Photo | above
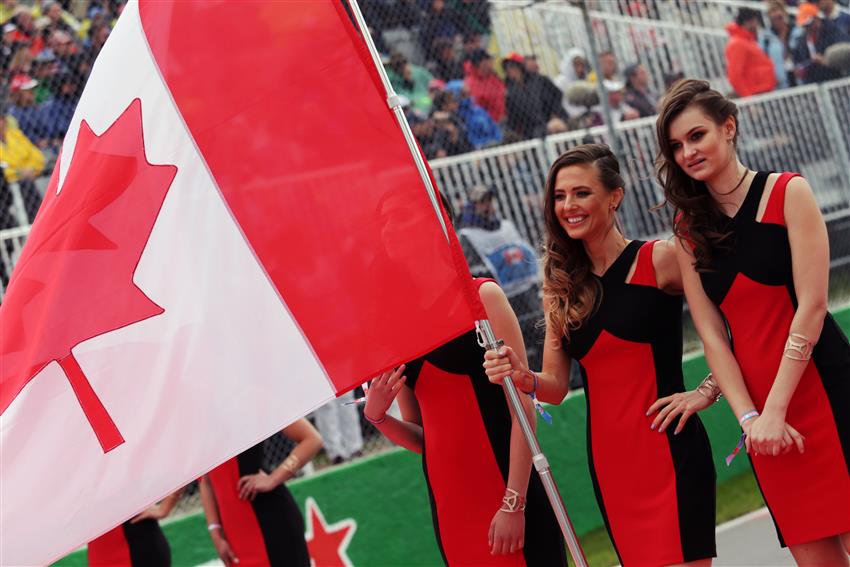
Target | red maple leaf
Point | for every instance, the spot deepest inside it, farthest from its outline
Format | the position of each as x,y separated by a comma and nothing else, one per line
74,279
327,544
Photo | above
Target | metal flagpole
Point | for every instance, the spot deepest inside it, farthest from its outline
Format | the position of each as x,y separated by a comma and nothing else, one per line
485,332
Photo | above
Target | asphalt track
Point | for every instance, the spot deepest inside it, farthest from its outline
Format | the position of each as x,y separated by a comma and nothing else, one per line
750,541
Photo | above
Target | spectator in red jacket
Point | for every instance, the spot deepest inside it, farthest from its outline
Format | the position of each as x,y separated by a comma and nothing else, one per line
749,69
484,85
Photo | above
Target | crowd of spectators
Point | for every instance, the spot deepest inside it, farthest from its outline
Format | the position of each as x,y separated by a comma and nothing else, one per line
459,97
46,55
438,55
785,51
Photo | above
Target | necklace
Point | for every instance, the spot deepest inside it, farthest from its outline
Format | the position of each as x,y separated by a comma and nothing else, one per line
735,188
618,250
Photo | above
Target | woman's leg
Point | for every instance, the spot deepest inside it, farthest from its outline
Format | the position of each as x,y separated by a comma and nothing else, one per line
827,552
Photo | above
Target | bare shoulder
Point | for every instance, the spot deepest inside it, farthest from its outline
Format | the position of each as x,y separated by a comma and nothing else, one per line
663,254
666,264
800,204
798,188
491,294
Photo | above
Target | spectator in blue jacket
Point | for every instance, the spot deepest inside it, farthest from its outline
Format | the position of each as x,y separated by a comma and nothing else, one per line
58,111
808,50
481,129
831,13
25,110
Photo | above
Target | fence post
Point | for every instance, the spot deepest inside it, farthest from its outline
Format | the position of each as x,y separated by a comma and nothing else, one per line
18,202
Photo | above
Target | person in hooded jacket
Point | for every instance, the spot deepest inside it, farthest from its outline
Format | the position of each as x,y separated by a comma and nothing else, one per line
749,69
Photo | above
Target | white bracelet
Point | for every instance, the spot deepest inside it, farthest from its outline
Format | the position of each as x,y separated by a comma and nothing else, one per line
748,416
213,527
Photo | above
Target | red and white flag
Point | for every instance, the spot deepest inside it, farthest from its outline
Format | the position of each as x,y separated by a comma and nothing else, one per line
235,233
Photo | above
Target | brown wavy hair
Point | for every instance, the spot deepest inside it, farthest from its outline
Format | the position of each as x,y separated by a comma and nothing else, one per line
570,292
698,218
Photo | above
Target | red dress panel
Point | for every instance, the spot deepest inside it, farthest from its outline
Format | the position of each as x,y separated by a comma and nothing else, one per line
265,532
752,283
655,491
466,457
142,544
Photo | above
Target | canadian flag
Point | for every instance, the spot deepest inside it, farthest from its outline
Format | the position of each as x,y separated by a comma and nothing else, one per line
234,234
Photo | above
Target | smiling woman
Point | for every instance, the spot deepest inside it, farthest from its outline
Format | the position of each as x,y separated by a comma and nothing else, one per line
615,306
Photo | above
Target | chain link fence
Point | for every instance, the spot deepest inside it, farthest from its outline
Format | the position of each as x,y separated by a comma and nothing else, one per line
492,99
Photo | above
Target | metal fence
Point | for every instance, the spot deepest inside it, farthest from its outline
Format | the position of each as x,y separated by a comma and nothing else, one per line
666,47
804,129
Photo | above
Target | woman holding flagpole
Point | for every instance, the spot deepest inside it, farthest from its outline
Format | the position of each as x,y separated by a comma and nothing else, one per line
615,305
252,517
754,253
488,505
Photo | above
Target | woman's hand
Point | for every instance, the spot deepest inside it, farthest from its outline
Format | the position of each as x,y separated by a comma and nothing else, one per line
685,404
249,485
769,434
382,391
225,552
507,532
498,364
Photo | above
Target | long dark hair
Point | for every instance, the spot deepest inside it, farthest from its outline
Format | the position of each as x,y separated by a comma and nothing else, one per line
570,292
698,218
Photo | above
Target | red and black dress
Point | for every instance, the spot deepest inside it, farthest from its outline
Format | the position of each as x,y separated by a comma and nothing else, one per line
752,284
268,531
656,491
466,459
131,545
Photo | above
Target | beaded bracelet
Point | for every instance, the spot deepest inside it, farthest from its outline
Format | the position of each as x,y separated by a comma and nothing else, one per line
375,421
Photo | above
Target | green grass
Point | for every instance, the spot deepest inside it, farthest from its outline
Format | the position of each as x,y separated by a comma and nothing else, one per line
735,497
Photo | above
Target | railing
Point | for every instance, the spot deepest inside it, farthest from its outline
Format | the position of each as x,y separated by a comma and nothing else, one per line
806,129
550,30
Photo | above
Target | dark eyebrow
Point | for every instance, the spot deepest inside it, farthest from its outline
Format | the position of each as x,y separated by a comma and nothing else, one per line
671,140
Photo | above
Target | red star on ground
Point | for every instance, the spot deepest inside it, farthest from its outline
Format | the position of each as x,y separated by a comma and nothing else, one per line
74,279
328,544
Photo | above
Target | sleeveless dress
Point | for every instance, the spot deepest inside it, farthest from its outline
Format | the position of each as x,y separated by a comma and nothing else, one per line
752,284
656,491
466,458
142,544
268,531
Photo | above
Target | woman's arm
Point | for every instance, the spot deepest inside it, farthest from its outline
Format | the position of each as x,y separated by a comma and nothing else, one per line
810,264
405,432
222,546
308,443
507,529
684,404
712,332
553,382
161,510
